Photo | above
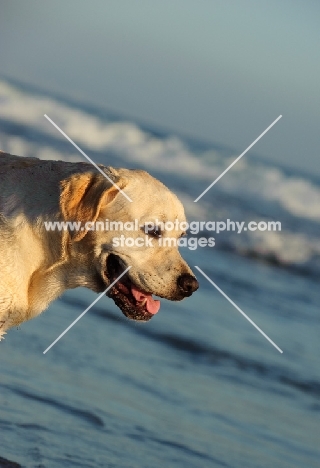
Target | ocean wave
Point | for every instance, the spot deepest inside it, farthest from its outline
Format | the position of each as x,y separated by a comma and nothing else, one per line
285,247
250,190
85,415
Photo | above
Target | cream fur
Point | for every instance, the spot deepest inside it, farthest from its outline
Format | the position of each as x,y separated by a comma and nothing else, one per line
36,266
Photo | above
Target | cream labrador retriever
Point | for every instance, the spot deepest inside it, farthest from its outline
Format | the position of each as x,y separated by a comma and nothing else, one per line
37,264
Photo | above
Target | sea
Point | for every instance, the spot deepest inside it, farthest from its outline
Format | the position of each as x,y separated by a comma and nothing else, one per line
198,385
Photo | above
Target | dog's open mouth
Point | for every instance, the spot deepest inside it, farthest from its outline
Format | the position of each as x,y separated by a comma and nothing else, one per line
133,302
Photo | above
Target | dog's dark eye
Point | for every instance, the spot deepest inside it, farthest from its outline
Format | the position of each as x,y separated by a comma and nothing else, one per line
154,231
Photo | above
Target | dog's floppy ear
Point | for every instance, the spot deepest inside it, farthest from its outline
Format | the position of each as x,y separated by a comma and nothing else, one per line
82,196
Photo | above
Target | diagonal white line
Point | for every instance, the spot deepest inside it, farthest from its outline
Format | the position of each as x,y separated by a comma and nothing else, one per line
236,160
238,308
86,156
81,315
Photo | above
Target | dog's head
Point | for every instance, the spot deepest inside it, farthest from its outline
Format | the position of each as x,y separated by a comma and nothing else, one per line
116,235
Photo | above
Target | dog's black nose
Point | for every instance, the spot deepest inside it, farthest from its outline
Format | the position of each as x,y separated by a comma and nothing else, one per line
188,284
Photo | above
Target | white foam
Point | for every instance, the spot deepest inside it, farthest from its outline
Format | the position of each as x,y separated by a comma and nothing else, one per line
123,138
287,247
298,196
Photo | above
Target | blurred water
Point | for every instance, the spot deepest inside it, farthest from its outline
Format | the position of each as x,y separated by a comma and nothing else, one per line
197,386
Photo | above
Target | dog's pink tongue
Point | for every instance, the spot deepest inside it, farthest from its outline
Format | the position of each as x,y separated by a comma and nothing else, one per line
152,305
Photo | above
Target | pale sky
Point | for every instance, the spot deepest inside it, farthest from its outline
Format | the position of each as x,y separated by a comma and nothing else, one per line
219,70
